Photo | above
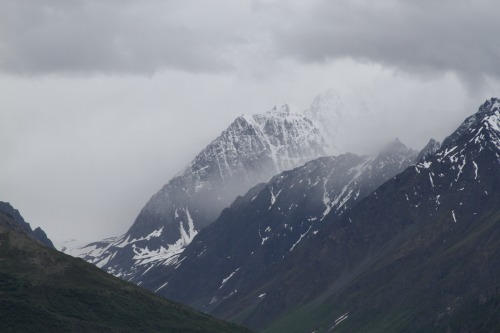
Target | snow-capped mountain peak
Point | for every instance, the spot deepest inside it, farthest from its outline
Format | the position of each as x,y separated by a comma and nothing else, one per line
251,150
491,105
487,117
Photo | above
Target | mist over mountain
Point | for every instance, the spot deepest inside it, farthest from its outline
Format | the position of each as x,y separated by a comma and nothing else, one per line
251,150
346,121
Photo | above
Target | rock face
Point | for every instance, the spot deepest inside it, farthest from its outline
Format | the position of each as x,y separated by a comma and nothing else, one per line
37,234
251,150
430,149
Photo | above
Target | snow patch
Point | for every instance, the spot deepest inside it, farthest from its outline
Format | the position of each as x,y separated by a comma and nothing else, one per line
227,278
300,238
161,287
339,320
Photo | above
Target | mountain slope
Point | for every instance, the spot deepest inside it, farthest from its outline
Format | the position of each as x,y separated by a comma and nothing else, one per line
44,290
220,271
420,254
249,151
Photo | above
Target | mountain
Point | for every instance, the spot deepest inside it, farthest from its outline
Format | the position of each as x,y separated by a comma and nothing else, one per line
249,151
430,149
37,234
43,290
237,254
421,253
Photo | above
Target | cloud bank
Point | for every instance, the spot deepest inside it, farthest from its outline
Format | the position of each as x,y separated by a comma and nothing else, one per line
149,36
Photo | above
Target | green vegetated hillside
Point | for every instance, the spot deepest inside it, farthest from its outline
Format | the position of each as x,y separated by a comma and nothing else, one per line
43,290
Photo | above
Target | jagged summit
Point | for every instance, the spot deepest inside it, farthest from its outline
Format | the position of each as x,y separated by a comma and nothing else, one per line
430,149
487,117
38,233
251,150
284,109
491,105
394,146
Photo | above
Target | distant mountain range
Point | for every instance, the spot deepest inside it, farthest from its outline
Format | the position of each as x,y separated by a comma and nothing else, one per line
403,241
43,290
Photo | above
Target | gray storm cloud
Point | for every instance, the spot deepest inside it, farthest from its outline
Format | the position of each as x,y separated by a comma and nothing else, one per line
415,36
86,36
144,37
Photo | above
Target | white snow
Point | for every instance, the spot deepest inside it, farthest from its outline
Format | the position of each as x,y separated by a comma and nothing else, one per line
187,237
460,169
300,238
227,278
426,165
339,320
274,197
161,287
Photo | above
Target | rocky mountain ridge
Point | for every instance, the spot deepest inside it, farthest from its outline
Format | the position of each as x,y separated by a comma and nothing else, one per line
37,234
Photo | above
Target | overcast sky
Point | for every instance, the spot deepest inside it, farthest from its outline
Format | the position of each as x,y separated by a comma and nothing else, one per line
103,101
